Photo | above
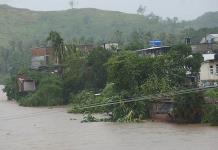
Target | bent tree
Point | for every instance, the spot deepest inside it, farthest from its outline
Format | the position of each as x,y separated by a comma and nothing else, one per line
58,45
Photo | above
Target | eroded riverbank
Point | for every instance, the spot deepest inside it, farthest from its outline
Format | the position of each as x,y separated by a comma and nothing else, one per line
24,128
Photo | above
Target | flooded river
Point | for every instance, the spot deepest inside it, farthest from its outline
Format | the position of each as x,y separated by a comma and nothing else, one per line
53,129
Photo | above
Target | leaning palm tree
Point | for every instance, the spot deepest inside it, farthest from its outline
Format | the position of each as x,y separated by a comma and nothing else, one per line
58,46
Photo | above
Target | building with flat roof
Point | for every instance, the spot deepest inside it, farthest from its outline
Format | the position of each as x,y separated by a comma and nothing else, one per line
86,48
41,56
209,70
111,46
153,51
208,44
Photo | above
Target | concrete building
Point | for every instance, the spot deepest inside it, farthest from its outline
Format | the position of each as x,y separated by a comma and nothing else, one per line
209,70
156,48
41,56
210,39
153,51
111,46
86,48
208,44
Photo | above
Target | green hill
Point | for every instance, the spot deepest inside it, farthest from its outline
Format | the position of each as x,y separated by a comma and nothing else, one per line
26,25
209,20
21,29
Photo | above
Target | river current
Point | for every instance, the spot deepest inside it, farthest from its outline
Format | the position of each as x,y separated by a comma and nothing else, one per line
23,128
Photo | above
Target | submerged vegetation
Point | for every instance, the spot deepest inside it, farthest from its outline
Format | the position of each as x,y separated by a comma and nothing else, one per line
49,93
211,115
189,108
103,81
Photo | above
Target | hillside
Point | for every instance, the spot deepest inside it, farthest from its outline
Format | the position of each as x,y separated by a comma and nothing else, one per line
29,26
26,24
209,20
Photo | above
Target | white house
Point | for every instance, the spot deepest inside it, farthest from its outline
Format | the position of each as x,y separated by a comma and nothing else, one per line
111,46
209,70
208,44
210,39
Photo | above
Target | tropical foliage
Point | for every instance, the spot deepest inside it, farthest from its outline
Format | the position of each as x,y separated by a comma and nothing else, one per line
189,108
57,45
102,77
211,115
49,93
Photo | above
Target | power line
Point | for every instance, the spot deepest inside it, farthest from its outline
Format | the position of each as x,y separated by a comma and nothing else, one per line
152,98
156,98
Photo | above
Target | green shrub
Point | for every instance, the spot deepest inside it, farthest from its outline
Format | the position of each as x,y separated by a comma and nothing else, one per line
86,98
131,112
89,118
109,90
213,93
11,86
211,115
121,112
155,84
188,108
11,89
49,93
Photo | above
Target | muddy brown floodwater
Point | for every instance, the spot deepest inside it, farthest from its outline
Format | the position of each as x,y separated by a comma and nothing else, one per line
24,128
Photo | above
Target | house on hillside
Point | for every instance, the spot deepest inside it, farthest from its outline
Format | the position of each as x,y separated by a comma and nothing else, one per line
156,48
86,48
111,46
42,56
153,51
209,70
208,44
210,39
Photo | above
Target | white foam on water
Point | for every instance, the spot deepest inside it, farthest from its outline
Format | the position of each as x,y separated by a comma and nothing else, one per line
3,96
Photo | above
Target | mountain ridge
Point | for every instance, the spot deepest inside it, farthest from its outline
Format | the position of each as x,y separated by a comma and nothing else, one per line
98,25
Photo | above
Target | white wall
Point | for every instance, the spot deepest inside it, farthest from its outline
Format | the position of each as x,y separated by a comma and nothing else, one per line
205,73
112,46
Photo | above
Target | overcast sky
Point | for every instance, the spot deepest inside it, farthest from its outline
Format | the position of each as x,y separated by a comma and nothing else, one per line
183,9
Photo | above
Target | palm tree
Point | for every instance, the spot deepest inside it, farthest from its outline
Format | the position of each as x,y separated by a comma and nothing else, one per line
58,46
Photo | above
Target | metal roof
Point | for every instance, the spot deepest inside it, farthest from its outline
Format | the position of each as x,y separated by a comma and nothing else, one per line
208,57
208,38
214,35
152,48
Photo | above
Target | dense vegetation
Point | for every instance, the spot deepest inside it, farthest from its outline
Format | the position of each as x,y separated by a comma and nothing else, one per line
103,76
49,89
128,75
49,93
22,29
116,78
189,108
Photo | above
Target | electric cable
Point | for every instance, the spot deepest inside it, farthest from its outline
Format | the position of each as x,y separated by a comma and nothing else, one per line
152,98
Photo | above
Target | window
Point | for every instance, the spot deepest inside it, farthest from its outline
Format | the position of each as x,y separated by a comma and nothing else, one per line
216,68
211,69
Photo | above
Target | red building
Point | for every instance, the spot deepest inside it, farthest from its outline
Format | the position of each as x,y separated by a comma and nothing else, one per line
42,56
